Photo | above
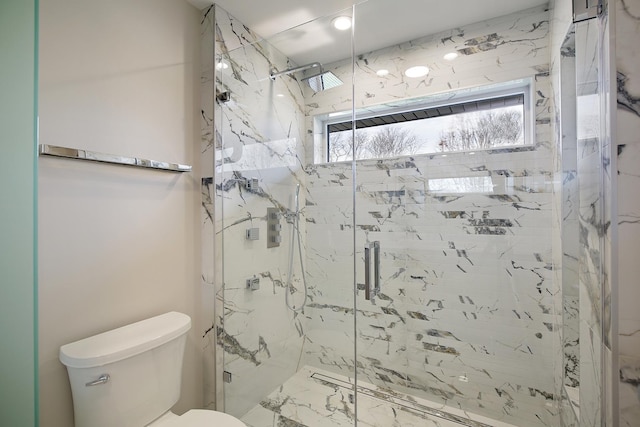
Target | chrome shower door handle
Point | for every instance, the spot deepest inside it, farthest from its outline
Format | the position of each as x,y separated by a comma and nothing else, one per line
102,379
376,268
367,272
368,294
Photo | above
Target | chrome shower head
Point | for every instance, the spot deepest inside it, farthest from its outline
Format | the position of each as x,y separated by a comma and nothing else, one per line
323,81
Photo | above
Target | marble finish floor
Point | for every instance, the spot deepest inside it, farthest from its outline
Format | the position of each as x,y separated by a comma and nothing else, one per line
317,398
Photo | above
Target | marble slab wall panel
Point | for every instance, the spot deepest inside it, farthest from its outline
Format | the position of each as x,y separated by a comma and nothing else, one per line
627,128
591,218
467,304
255,133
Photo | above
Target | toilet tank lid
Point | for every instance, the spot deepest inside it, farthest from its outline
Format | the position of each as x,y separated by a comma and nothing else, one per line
124,342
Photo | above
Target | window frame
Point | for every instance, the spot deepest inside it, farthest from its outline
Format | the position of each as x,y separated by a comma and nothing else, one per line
445,99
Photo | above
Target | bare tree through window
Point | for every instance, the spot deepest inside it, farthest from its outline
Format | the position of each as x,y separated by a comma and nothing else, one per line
341,146
372,143
482,131
391,141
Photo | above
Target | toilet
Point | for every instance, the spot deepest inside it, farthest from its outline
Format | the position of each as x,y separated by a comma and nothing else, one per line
130,377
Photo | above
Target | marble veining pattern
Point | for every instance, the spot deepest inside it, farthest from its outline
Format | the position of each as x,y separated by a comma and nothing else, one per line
628,150
609,271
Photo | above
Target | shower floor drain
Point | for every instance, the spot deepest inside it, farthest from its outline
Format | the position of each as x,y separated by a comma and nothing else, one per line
397,399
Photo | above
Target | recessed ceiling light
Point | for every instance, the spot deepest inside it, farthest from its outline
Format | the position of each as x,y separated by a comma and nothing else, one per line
221,65
417,71
280,95
342,23
451,56
382,73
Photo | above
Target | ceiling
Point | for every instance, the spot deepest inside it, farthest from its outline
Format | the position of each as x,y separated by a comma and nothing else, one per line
379,23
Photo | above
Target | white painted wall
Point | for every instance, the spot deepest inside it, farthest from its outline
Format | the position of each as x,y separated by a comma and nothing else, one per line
117,244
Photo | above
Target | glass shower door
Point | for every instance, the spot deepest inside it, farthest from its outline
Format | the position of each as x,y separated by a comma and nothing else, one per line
258,169
456,298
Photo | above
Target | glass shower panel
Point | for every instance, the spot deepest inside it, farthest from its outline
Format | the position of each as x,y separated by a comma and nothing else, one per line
570,233
285,227
455,317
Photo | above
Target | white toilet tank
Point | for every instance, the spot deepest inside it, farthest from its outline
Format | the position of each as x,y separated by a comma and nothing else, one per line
129,376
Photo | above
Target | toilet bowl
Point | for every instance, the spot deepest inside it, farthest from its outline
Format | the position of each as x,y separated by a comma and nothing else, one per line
131,376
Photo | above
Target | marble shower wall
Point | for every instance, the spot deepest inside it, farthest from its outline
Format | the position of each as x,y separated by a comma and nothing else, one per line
627,131
466,314
609,221
608,232
255,134
608,158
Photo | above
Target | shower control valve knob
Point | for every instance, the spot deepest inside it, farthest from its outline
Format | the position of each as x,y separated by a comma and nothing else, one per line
253,283
253,234
223,97
252,184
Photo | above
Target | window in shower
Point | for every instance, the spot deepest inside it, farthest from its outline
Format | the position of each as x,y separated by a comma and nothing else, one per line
486,119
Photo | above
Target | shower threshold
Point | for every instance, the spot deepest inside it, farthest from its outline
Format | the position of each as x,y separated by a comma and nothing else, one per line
317,398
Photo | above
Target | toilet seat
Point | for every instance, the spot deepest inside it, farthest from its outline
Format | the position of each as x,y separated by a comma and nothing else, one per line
200,418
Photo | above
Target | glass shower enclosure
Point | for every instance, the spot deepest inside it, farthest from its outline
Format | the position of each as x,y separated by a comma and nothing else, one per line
379,259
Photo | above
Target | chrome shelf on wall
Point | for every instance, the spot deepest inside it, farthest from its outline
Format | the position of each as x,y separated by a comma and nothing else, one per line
74,153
